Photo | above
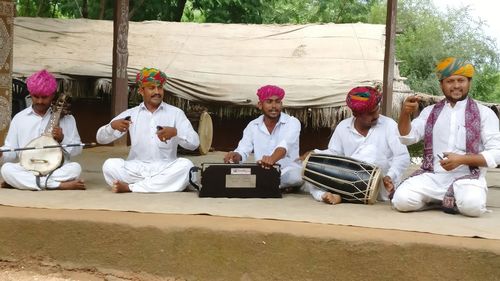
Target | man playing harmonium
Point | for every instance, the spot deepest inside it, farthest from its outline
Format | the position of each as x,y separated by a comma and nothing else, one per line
461,138
42,125
156,128
366,136
273,137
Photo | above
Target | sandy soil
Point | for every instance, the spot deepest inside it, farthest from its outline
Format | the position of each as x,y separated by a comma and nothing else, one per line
103,245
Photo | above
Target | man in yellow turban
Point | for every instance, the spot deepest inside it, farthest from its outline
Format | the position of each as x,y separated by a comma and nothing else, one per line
461,138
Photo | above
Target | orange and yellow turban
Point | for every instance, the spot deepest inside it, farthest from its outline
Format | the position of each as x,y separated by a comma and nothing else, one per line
150,77
454,66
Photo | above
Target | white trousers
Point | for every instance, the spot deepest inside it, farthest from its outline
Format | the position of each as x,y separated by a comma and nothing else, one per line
417,192
20,178
158,176
291,176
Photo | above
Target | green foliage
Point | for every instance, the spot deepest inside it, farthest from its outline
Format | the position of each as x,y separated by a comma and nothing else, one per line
430,35
486,85
280,11
319,11
166,10
416,149
229,11
38,8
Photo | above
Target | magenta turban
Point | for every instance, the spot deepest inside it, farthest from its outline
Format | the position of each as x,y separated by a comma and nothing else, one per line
268,91
41,83
363,99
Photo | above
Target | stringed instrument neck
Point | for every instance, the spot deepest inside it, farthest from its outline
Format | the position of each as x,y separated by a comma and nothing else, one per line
57,110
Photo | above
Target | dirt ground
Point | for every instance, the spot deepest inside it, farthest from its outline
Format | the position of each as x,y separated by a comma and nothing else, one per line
42,244
57,245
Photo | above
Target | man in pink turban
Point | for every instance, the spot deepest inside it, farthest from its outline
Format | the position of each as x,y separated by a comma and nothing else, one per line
273,137
369,137
30,124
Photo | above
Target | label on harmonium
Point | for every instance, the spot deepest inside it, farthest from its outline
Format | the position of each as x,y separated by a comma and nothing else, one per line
241,171
241,181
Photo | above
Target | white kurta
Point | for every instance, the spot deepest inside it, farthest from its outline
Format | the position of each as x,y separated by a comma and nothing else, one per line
285,134
381,147
449,136
152,165
26,126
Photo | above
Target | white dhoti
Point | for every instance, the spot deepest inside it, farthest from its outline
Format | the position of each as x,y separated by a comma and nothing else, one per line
291,176
417,192
18,177
158,176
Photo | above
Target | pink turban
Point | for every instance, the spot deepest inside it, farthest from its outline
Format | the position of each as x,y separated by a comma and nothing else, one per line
268,91
41,83
363,99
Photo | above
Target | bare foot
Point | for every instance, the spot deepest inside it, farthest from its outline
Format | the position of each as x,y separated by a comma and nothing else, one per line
331,198
77,184
120,187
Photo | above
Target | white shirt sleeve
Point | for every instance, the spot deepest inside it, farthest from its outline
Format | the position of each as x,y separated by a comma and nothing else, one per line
417,127
245,146
335,144
400,156
291,135
187,136
71,136
106,134
11,141
490,137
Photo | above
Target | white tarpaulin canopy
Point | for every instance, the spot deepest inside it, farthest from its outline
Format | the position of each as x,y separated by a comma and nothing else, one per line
316,64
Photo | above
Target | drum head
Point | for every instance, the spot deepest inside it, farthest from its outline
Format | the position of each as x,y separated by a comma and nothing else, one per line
205,131
41,161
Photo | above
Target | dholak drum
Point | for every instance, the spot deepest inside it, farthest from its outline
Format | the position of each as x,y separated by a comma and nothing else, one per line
353,180
202,123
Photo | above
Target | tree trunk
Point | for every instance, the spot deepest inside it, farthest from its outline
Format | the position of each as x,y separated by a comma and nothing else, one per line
85,9
102,8
40,7
53,9
179,11
136,7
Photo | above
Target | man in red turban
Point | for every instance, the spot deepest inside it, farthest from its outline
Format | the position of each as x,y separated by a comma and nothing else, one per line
369,137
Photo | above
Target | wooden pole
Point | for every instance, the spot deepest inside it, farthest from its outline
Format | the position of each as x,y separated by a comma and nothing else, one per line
6,49
389,57
119,101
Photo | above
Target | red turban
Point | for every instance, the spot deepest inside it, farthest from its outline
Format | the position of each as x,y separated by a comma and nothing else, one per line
363,99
